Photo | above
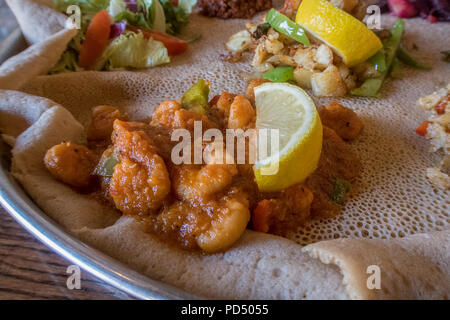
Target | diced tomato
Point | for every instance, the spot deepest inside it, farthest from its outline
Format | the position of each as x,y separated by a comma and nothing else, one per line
174,2
97,38
422,129
432,18
440,108
214,100
173,44
261,216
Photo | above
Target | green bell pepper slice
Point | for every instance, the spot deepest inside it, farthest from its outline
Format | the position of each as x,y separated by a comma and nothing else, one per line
286,26
371,87
280,74
404,57
379,61
196,97
106,167
340,190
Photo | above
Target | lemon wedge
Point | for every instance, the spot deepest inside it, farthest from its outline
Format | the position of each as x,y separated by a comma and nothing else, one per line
349,37
285,111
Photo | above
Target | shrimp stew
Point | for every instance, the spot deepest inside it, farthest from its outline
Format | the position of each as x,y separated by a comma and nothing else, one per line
202,206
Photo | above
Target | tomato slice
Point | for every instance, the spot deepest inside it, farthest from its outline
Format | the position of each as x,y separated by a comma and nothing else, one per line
97,38
261,216
422,129
173,44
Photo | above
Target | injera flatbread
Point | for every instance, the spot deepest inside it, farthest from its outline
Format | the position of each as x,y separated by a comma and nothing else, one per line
35,60
37,19
394,204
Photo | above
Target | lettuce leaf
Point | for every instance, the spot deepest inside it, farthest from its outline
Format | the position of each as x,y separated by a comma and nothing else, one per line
150,15
132,50
154,12
187,5
116,7
160,15
136,19
67,63
176,17
159,22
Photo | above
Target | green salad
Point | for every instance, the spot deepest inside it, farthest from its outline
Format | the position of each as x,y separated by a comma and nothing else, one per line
116,34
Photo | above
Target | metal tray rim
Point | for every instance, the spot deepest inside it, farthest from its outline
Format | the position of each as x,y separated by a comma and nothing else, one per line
17,203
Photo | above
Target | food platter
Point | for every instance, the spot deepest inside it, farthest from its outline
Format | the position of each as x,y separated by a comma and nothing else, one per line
18,204
85,155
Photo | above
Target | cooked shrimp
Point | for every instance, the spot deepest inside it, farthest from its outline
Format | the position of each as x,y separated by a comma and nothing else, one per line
226,228
224,102
192,182
197,182
140,183
342,120
102,122
137,189
170,114
213,227
241,113
70,163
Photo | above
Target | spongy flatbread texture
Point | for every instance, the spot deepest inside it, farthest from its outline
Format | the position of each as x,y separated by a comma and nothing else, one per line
415,267
55,125
258,266
393,198
35,60
15,115
37,19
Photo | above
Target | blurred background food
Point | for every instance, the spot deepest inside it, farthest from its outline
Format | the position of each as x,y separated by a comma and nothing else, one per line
227,9
432,10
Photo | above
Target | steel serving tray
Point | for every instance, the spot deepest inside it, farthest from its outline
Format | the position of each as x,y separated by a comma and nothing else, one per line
19,205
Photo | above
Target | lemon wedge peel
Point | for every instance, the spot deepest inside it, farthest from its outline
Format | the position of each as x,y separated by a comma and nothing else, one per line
301,134
346,35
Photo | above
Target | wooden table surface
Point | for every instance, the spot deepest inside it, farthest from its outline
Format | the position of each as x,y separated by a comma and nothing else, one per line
30,270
